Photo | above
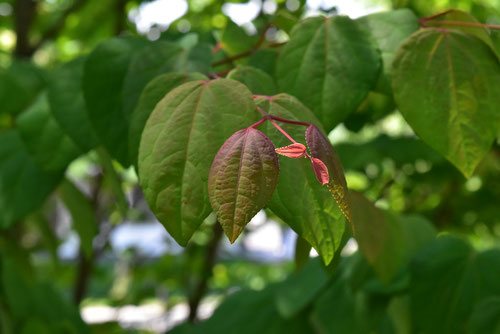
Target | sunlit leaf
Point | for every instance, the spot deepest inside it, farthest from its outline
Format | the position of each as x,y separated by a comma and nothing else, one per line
154,91
446,87
242,179
330,65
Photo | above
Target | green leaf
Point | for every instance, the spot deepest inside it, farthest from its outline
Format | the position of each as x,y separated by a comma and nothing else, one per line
258,81
18,175
387,241
242,179
235,40
178,144
330,65
147,63
337,310
486,317
82,214
67,104
448,278
104,75
446,86
250,312
299,200
46,141
284,20
301,288
388,31
456,15
321,148
154,91
19,86
265,60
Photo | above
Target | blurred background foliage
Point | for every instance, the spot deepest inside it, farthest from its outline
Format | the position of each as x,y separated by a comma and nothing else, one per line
73,250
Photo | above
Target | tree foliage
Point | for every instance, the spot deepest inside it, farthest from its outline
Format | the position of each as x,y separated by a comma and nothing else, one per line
219,124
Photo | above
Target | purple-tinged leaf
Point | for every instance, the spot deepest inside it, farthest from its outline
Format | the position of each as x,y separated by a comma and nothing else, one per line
242,179
320,148
295,150
320,171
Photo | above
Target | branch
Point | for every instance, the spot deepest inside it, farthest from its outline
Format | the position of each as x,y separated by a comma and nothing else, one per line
461,24
227,60
423,22
208,265
55,29
24,15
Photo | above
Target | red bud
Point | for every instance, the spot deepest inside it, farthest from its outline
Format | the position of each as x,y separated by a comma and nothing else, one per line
295,150
320,170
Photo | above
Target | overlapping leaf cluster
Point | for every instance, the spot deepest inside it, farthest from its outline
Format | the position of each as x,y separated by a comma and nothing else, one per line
162,108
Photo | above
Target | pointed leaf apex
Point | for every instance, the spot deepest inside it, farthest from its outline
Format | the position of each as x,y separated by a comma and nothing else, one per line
294,151
321,171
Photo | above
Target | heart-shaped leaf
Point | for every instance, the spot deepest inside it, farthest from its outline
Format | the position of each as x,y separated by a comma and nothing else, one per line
178,144
330,65
320,148
446,87
242,179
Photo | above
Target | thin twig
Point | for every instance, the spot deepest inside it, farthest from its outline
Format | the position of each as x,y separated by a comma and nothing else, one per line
244,54
207,272
54,30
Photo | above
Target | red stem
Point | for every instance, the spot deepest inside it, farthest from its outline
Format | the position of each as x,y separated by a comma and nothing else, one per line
423,22
289,121
282,131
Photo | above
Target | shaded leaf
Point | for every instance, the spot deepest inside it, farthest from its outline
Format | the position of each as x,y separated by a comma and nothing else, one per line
446,87
485,317
250,312
301,288
388,31
155,59
67,104
18,173
258,81
49,145
20,84
235,40
242,179
104,76
178,144
387,241
330,65
448,278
